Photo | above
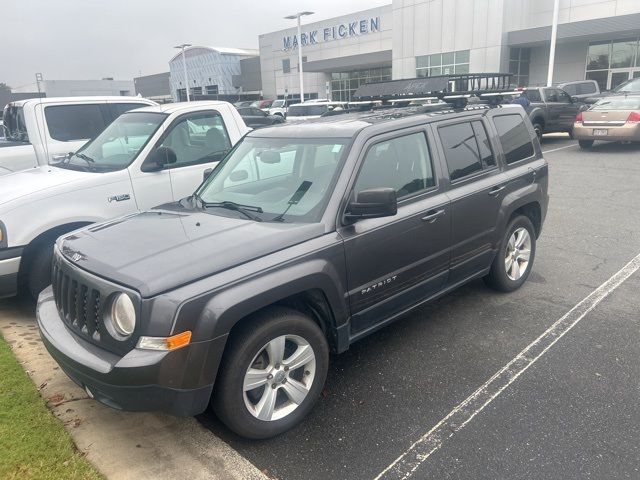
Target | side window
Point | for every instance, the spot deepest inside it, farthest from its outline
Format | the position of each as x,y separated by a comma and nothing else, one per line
533,95
401,163
514,137
550,95
198,138
486,155
572,89
118,109
563,97
461,150
257,112
74,122
586,88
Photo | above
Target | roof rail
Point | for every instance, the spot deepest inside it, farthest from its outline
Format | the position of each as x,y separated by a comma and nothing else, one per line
454,89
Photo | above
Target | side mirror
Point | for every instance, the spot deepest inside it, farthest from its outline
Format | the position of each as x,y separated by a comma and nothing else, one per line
575,99
373,203
160,158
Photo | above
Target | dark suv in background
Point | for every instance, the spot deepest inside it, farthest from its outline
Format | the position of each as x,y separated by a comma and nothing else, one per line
305,239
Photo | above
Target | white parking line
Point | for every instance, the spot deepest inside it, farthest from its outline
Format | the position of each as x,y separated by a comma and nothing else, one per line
407,463
559,148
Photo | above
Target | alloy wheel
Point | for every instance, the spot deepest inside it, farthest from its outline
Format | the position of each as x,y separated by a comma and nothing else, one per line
517,254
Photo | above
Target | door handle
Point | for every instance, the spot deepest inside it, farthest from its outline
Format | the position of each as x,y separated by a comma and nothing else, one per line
496,190
433,215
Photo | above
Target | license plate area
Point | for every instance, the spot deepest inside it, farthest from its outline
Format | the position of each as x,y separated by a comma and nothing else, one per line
600,132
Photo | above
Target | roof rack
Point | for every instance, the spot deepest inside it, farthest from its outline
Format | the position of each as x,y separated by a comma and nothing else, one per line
454,89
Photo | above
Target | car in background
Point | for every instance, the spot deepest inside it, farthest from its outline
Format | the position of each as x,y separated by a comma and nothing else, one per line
311,110
246,103
581,89
262,104
256,118
615,118
631,86
279,107
40,131
551,109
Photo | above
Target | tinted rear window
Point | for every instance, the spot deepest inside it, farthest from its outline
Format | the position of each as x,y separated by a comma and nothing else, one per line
74,122
514,137
533,95
460,150
619,103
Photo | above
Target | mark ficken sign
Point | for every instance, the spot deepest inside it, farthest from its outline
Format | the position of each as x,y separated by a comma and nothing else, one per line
336,32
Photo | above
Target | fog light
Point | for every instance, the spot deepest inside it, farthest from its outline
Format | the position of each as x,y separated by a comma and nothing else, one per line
165,343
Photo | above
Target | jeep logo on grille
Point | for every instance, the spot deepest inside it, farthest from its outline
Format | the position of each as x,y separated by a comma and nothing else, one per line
76,257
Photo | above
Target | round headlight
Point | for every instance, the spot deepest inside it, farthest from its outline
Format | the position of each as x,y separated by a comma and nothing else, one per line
123,314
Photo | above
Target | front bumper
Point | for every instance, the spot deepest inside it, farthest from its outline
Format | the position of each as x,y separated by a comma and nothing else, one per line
142,380
629,132
9,268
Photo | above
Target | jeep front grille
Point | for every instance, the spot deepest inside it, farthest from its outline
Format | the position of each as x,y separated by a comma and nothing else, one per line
79,304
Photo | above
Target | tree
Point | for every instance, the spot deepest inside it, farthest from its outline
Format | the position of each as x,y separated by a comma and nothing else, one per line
4,87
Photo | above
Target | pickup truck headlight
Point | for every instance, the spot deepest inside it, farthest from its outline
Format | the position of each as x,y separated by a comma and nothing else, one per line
123,314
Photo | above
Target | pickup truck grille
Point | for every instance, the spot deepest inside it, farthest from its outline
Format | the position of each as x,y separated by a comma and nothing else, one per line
79,304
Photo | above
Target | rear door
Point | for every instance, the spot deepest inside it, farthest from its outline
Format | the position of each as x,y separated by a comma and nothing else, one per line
395,262
476,190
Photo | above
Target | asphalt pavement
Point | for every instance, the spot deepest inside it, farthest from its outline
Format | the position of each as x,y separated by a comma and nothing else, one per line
572,414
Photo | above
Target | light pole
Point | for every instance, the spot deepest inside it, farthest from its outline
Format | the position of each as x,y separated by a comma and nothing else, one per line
291,17
184,65
552,47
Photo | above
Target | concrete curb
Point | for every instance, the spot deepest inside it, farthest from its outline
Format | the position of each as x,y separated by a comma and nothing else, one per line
121,445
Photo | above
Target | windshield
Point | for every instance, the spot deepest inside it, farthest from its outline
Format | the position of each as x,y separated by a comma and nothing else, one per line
618,103
13,120
289,179
632,85
118,145
278,103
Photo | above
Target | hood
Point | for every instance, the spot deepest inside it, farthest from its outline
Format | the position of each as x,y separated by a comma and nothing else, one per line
158,250
36,180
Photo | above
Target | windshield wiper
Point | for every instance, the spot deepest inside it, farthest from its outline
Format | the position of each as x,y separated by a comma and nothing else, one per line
295,198
86,158
243,209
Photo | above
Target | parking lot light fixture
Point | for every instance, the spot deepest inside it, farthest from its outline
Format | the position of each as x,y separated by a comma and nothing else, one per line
297,17
184,66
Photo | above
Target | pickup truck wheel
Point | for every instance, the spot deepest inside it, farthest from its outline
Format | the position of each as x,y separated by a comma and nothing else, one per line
40,270
585,144
272,373
514,259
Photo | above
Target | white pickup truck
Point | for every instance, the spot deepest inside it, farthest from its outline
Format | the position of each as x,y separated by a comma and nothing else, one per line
39,131
146,157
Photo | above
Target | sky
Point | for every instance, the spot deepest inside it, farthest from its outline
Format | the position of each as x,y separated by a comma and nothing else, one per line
92,39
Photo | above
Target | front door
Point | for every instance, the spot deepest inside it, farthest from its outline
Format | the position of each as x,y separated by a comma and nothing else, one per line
395,262
199,140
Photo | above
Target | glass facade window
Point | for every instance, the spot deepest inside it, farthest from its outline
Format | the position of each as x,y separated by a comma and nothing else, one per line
446,63
519,66
211,89
613,62
286,65
344,84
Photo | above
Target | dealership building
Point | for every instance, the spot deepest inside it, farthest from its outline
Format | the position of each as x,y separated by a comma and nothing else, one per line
597,39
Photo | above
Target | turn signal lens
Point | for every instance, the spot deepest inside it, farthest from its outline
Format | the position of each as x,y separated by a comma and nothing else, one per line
165,343
634,117
579,118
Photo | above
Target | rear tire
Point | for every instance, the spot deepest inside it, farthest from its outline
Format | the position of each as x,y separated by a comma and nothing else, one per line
585,144
513,262
258,369
40,269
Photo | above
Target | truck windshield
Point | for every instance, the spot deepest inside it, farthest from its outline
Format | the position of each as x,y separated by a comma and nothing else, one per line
14,127
118,145
283,179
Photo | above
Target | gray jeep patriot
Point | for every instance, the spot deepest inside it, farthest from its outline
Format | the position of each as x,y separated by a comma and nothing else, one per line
305,238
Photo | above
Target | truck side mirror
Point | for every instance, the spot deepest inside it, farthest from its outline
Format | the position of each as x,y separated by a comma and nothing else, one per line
373,203
159,159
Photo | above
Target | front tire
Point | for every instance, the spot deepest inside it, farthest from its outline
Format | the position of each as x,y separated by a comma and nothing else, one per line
585,144
515,257
272,373
40,270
